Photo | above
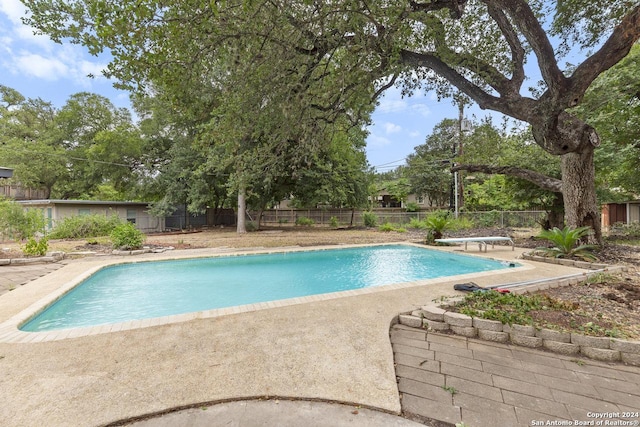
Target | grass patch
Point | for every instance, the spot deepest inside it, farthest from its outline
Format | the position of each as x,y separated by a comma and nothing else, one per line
508,308
387,226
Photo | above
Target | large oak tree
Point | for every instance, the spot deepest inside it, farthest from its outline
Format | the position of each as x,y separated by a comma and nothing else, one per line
480,47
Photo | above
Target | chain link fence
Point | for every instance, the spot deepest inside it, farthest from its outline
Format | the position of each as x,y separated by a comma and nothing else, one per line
280,217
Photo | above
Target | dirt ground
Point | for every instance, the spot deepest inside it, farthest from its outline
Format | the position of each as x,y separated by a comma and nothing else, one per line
609,303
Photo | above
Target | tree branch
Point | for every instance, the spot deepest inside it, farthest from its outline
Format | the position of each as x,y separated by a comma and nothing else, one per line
529,25
542,181
517,51
520,109
456,7
612,51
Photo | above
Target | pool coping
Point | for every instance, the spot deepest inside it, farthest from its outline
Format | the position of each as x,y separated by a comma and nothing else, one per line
10,332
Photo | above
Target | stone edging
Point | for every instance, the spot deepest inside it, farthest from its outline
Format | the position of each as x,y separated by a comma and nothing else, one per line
599,348
59,256
50,257
564,261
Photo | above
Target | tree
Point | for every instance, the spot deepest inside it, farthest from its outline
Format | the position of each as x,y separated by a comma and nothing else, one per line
428,168
513,154
102,144
29,143
339,176
422,45
612,105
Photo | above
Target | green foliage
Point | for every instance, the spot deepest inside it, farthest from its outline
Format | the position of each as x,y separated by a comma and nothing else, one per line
461,223
611,105
126,236
333,222
387,226
417,224
70,152
450,389
412,207
370,219
304,221
428,168
488,219
437,223
83,226
591,328
18,223
505,146
508,308
35,247
567,243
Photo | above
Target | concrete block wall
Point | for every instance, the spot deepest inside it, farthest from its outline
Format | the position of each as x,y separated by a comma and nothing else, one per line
604,349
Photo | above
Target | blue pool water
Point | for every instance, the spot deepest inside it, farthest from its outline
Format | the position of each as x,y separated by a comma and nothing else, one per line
160,288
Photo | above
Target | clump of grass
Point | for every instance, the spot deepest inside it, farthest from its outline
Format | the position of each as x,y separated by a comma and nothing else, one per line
387,226
449,389
303,221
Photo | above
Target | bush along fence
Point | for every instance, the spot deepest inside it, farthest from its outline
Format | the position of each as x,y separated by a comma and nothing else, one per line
395,216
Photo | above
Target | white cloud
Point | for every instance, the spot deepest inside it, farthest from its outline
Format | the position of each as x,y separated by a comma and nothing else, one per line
14,10
414,134
392,105
421,109
37,56
378,141
390,128
38,66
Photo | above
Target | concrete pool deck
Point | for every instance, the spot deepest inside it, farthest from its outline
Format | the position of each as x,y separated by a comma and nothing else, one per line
321,348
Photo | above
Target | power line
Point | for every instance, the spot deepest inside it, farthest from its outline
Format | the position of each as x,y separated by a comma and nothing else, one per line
70,157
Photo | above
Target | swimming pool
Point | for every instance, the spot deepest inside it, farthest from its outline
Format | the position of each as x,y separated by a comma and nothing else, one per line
163,288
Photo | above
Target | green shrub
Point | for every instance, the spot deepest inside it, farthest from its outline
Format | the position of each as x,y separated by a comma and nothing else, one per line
304,221
461,223
18,223
488,219
387,226
412,207
370,219
126,236
567,243
83,226
333,222
34,247
437,223
251,226
416,223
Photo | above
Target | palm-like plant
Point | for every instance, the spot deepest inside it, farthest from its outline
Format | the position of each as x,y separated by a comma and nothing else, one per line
567,243
436,224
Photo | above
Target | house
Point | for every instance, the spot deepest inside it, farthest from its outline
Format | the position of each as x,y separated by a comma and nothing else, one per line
385,200
620,213
6,172
134,212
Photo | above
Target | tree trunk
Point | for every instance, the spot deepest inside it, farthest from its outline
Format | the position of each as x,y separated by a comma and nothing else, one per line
579,192
242,208
555,215
259,218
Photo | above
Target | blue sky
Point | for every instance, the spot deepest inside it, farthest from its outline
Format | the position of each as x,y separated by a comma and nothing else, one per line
39,68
